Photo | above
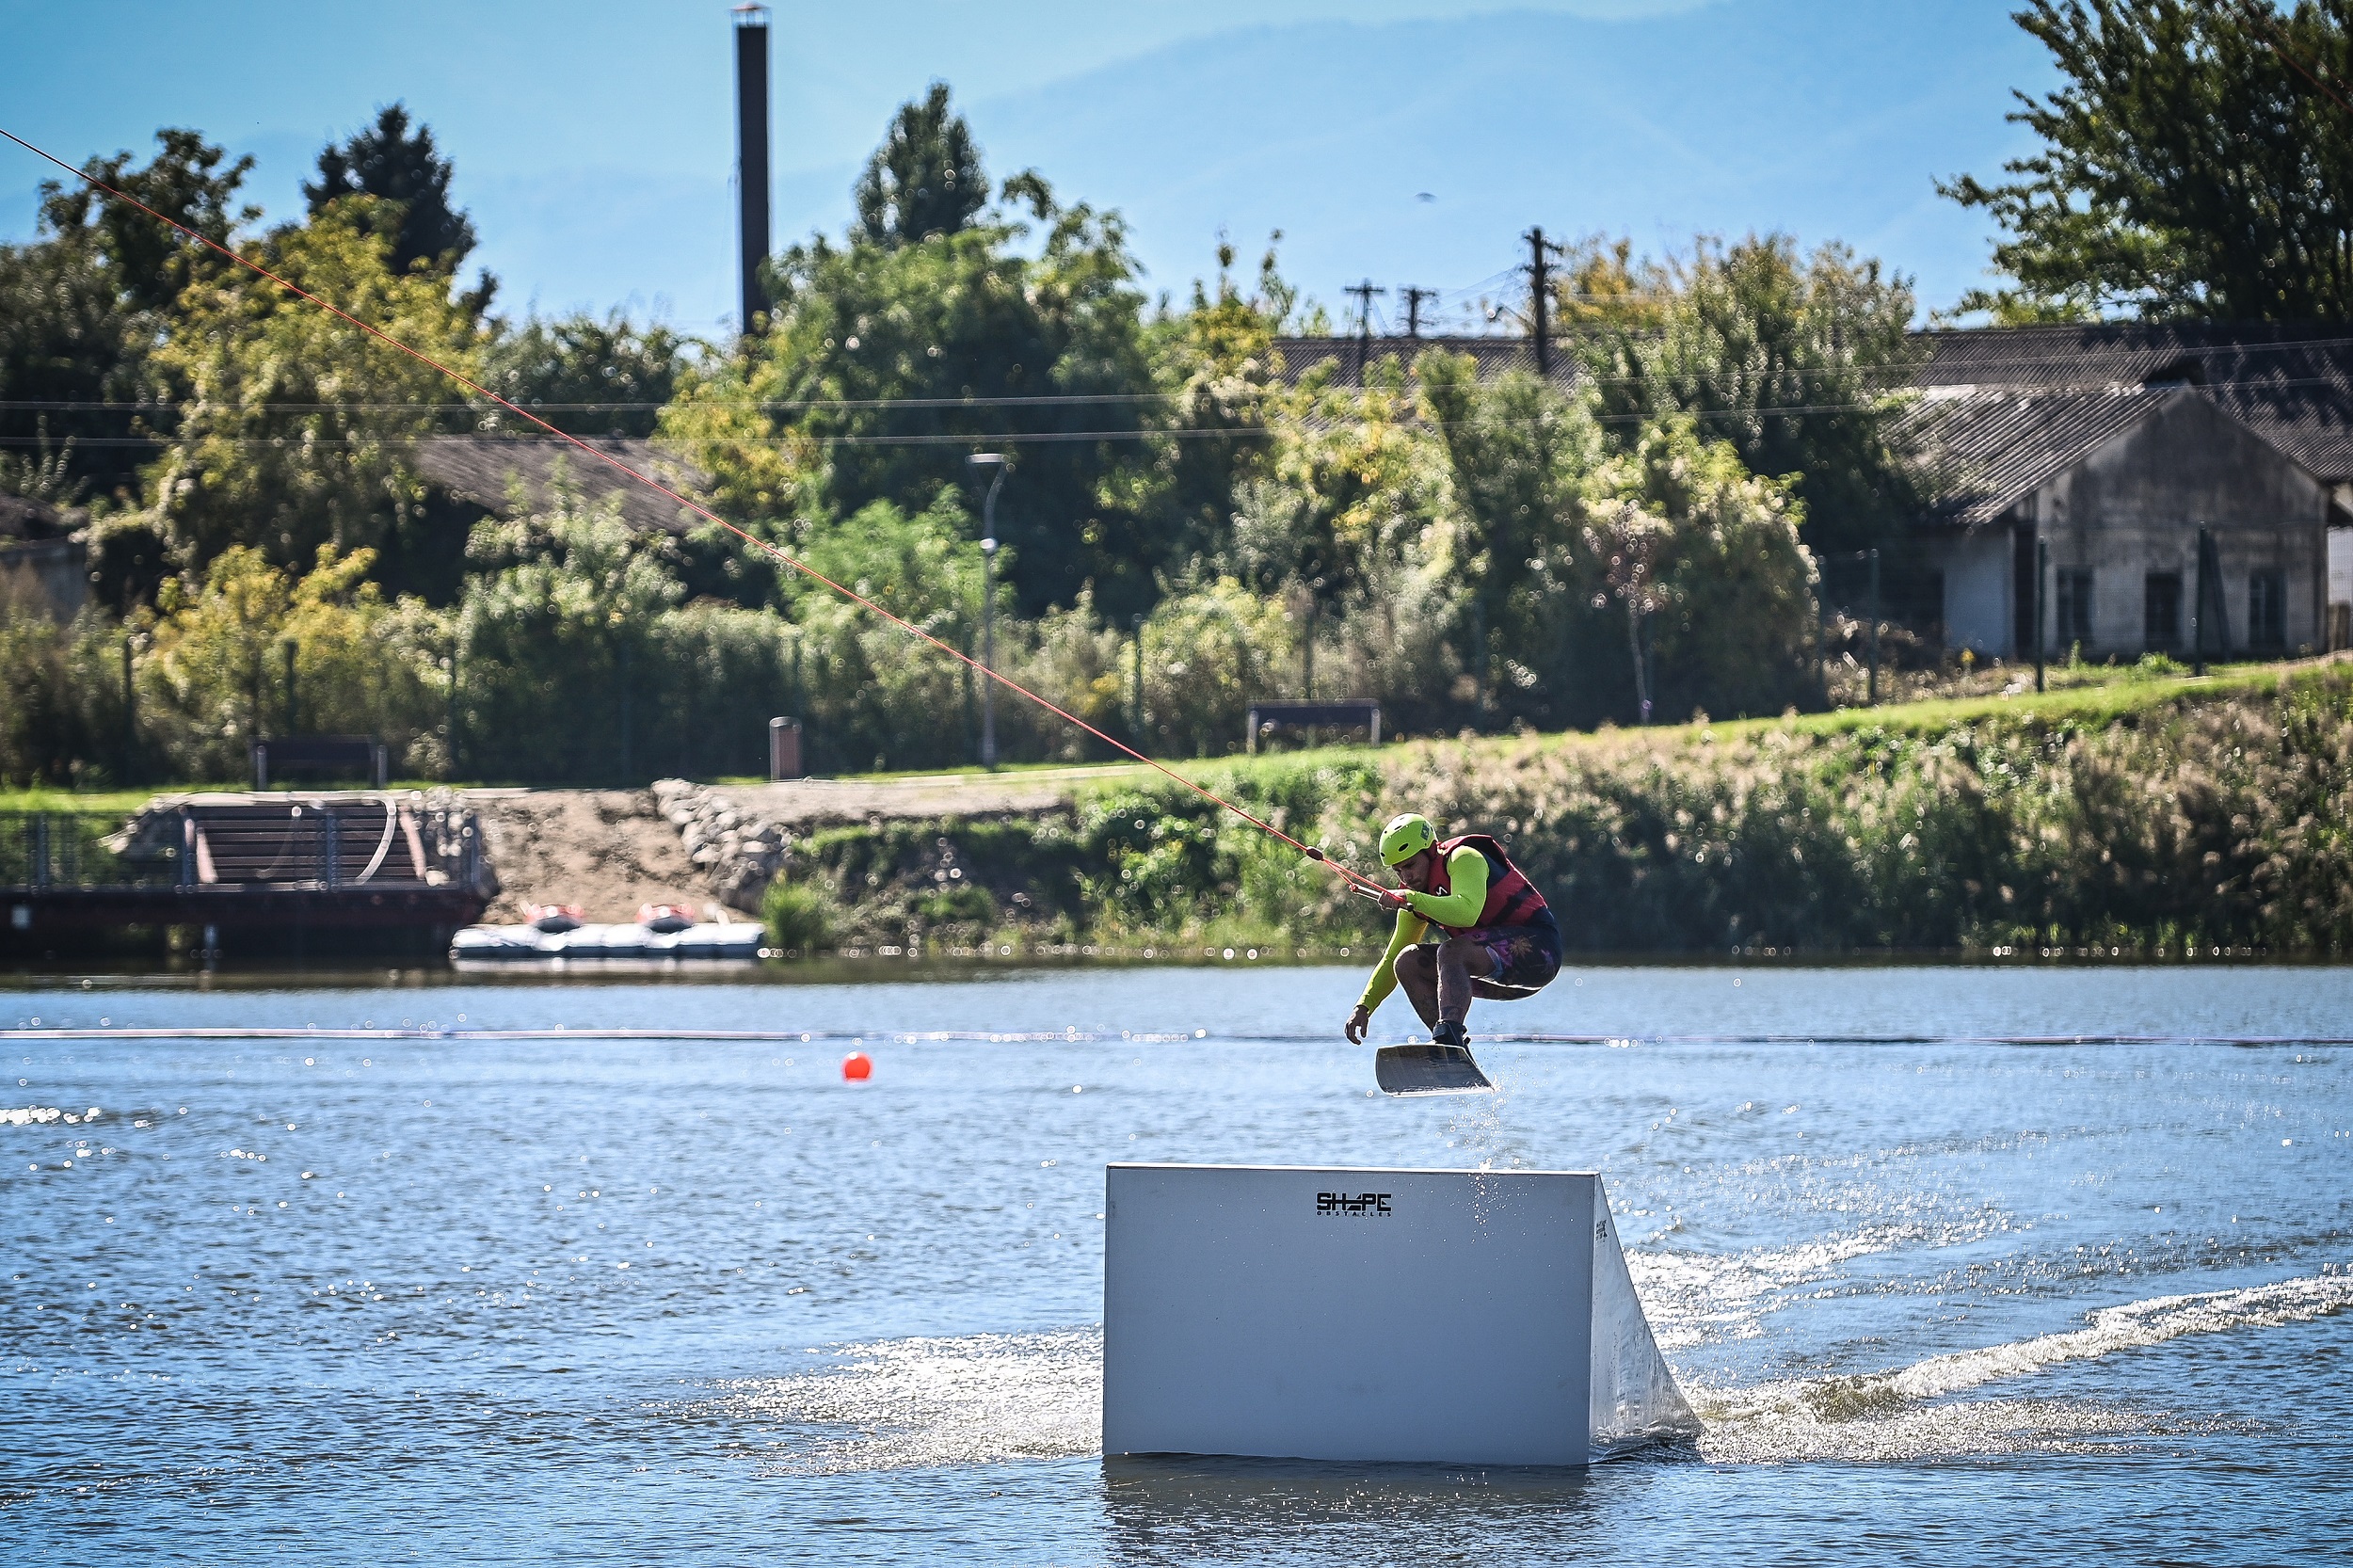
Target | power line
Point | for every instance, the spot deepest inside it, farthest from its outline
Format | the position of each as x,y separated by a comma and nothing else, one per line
1312,853
1253,432
1899,373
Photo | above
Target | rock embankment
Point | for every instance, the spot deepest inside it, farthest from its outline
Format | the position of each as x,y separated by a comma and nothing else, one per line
736,851
738,838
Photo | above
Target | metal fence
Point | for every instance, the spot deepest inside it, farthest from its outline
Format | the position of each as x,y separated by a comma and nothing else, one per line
70,849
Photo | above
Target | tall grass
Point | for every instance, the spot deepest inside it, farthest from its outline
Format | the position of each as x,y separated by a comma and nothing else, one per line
2198,819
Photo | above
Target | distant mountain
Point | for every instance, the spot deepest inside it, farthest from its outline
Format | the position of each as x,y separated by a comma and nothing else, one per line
1823,117
1826,119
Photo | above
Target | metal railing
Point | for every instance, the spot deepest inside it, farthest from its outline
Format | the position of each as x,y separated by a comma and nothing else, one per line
189,846
72,849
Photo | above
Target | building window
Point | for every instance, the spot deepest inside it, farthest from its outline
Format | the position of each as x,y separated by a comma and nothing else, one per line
2161,610
2268,609
2073,621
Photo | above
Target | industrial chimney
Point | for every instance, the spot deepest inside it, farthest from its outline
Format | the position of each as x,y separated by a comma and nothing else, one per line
751,152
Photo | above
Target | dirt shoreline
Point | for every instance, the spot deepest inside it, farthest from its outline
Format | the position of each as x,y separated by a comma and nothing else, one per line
610,851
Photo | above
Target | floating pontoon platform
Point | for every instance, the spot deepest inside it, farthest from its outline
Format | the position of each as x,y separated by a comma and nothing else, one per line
525,942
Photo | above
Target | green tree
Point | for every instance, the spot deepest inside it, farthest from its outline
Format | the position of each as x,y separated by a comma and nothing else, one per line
65,338
2187,168
1353,477
885,366
1217,363
925,180
1801,362
211,681
1702,561
584,373
148,262
1518,452
295,426
83,303
410,179
60,706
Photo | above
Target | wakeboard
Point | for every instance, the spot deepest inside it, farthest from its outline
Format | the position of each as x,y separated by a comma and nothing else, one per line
1426,1068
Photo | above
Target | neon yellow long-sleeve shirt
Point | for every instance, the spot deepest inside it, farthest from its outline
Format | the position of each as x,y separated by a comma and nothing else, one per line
1458,906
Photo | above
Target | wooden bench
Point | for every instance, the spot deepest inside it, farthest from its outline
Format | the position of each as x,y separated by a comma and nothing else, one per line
1348,714
319,756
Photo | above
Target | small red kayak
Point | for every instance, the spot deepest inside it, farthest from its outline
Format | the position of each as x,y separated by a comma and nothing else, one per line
552,917
665,917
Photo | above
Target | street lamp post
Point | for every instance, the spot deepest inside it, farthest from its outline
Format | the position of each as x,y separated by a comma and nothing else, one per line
1136,622
995,462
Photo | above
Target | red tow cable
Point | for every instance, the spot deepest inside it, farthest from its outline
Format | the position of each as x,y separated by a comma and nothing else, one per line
697,508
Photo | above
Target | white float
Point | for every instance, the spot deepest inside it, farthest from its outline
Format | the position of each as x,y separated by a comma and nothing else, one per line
506,943
1443,1316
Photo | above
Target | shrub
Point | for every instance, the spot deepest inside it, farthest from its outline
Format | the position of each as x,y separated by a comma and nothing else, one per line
799,918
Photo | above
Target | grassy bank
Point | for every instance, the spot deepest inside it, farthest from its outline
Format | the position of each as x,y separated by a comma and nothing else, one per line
2153,815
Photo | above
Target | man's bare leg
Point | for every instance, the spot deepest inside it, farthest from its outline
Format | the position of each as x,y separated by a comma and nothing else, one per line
1440,980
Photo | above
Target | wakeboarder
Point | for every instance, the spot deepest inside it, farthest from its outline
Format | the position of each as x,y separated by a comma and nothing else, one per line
1500,941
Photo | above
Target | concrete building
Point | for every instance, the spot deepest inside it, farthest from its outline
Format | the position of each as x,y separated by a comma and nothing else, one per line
2113,446
44,549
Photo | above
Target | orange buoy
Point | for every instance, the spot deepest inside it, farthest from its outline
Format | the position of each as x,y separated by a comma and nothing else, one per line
858,1067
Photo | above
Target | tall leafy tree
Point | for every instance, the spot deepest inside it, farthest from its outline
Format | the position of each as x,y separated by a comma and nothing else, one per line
1800,362
1701,560
147,262
1354,479
2188,167
1518,452
80,304
294,424
402,168
1217,363
925,179
887,363
588,375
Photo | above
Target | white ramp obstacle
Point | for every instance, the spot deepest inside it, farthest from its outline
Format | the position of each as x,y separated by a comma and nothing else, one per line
1443,1317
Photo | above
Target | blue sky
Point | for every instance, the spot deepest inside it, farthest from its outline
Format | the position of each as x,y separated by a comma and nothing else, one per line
1409,141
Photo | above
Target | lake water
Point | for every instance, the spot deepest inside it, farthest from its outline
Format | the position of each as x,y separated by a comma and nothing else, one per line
1944,1288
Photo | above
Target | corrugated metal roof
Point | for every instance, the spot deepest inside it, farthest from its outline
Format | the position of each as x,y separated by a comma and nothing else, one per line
485,469
1990,447
2291,383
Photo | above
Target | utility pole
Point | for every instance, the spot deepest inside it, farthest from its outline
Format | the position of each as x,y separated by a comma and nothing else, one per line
130,715
1874,554
2210,603
626,769
995,463
1307,647
1540,297
1413,297
1364,292
2042,573
1136,623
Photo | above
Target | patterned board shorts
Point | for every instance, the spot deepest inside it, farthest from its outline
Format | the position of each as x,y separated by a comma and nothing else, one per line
1526,958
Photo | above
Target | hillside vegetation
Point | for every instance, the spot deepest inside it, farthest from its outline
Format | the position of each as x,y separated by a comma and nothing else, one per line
2150,818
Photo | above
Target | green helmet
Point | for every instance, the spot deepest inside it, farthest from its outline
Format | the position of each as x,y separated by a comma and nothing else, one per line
1405,837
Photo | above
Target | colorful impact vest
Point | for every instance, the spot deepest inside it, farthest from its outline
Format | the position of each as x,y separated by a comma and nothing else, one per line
1512,899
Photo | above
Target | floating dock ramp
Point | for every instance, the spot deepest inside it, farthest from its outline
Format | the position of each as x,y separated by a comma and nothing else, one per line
1436,1316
